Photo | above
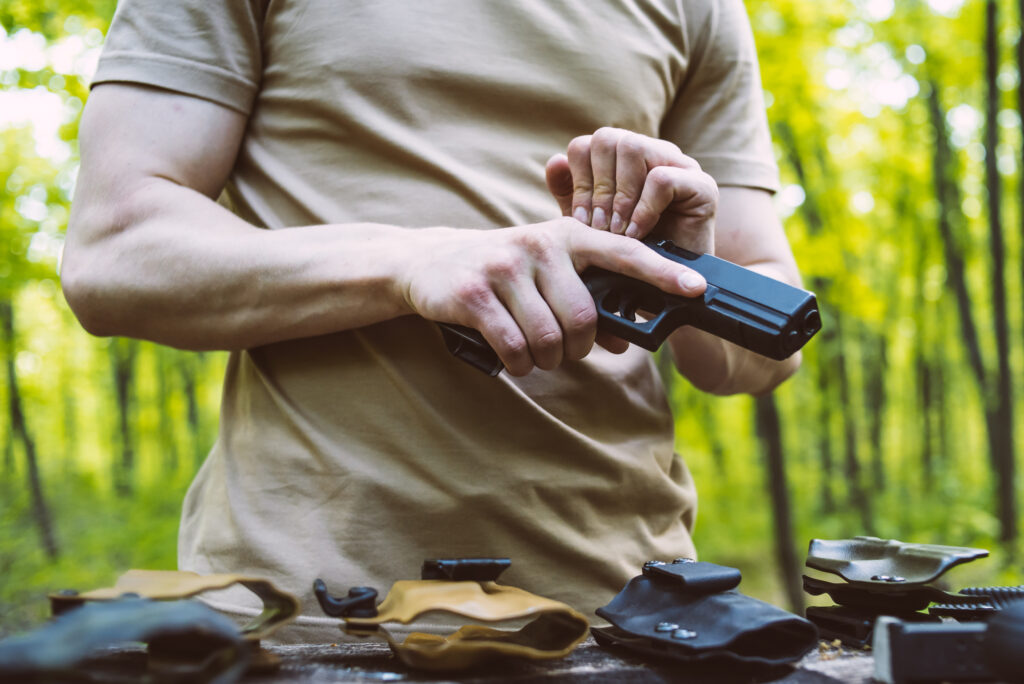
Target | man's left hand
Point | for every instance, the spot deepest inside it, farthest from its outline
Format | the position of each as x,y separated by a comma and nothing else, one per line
629,183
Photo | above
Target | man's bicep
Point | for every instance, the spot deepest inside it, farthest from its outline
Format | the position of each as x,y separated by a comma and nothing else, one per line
132,134
748,232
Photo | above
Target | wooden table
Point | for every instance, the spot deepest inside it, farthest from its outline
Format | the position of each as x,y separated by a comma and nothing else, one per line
373,661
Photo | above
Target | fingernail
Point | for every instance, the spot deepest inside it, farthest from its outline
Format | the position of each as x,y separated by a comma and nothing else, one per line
580,214
600,219
616,226
633,230
691,281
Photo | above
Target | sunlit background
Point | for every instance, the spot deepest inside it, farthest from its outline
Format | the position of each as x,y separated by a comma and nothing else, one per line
897,130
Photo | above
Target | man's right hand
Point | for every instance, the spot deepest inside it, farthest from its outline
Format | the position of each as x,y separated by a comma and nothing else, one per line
520,286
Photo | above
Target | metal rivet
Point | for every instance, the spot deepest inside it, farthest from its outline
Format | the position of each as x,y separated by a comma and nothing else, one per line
684,560
666,627
888,578
651,563
684,634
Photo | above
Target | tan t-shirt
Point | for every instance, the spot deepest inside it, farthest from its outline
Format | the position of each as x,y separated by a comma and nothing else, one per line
354,456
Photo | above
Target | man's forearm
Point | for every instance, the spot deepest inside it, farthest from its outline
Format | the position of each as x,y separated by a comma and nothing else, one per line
719,367
166,263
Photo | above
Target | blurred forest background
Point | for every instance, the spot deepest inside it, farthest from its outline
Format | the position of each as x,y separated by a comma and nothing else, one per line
897,126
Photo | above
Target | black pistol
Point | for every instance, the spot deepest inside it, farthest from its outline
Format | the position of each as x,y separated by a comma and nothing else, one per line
746,308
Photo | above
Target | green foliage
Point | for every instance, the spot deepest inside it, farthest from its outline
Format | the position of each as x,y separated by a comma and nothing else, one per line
886,404
100,537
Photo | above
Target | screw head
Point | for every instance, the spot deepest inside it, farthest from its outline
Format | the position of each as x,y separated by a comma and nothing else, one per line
888,578
666,627
653,563
684,634
683,560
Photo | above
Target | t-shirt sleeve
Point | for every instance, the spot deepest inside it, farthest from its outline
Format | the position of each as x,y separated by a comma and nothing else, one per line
205,48
718,116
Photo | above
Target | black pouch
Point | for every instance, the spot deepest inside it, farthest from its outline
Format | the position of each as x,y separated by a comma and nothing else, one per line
691,611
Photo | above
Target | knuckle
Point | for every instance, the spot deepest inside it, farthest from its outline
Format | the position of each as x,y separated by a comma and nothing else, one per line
579,146
711,187
539,244
705,210
660,176
623,204
612,133
606,139
505,267
548,339
563,225
676,151
630,249
514,343
472,293
582,186
631,145
604,189
582,319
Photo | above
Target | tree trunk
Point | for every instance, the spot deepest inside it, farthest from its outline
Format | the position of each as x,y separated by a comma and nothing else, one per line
858,496
769,431
123,353
826,343
187,368
875,400
949,208
168,444
813,215
1001,405
1020,111
9,451
19,429
927,396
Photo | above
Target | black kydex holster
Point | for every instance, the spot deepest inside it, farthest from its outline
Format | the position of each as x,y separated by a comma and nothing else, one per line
885,577
691,611
746,308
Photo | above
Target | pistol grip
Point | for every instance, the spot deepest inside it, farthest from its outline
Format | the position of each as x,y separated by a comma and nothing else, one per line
470,346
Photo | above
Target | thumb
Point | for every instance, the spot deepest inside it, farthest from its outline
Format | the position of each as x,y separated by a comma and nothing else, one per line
559,179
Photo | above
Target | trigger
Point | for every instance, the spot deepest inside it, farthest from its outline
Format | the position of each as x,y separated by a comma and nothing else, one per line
627,308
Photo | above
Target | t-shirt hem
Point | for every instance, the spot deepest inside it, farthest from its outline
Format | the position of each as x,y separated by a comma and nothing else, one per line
179,75
742,171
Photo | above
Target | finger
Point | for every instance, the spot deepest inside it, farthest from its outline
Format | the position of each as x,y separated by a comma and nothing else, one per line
572,305
609,342
692,194
535,319
637,155
500,330
633,258
582,177
603,145
559,180
630,174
